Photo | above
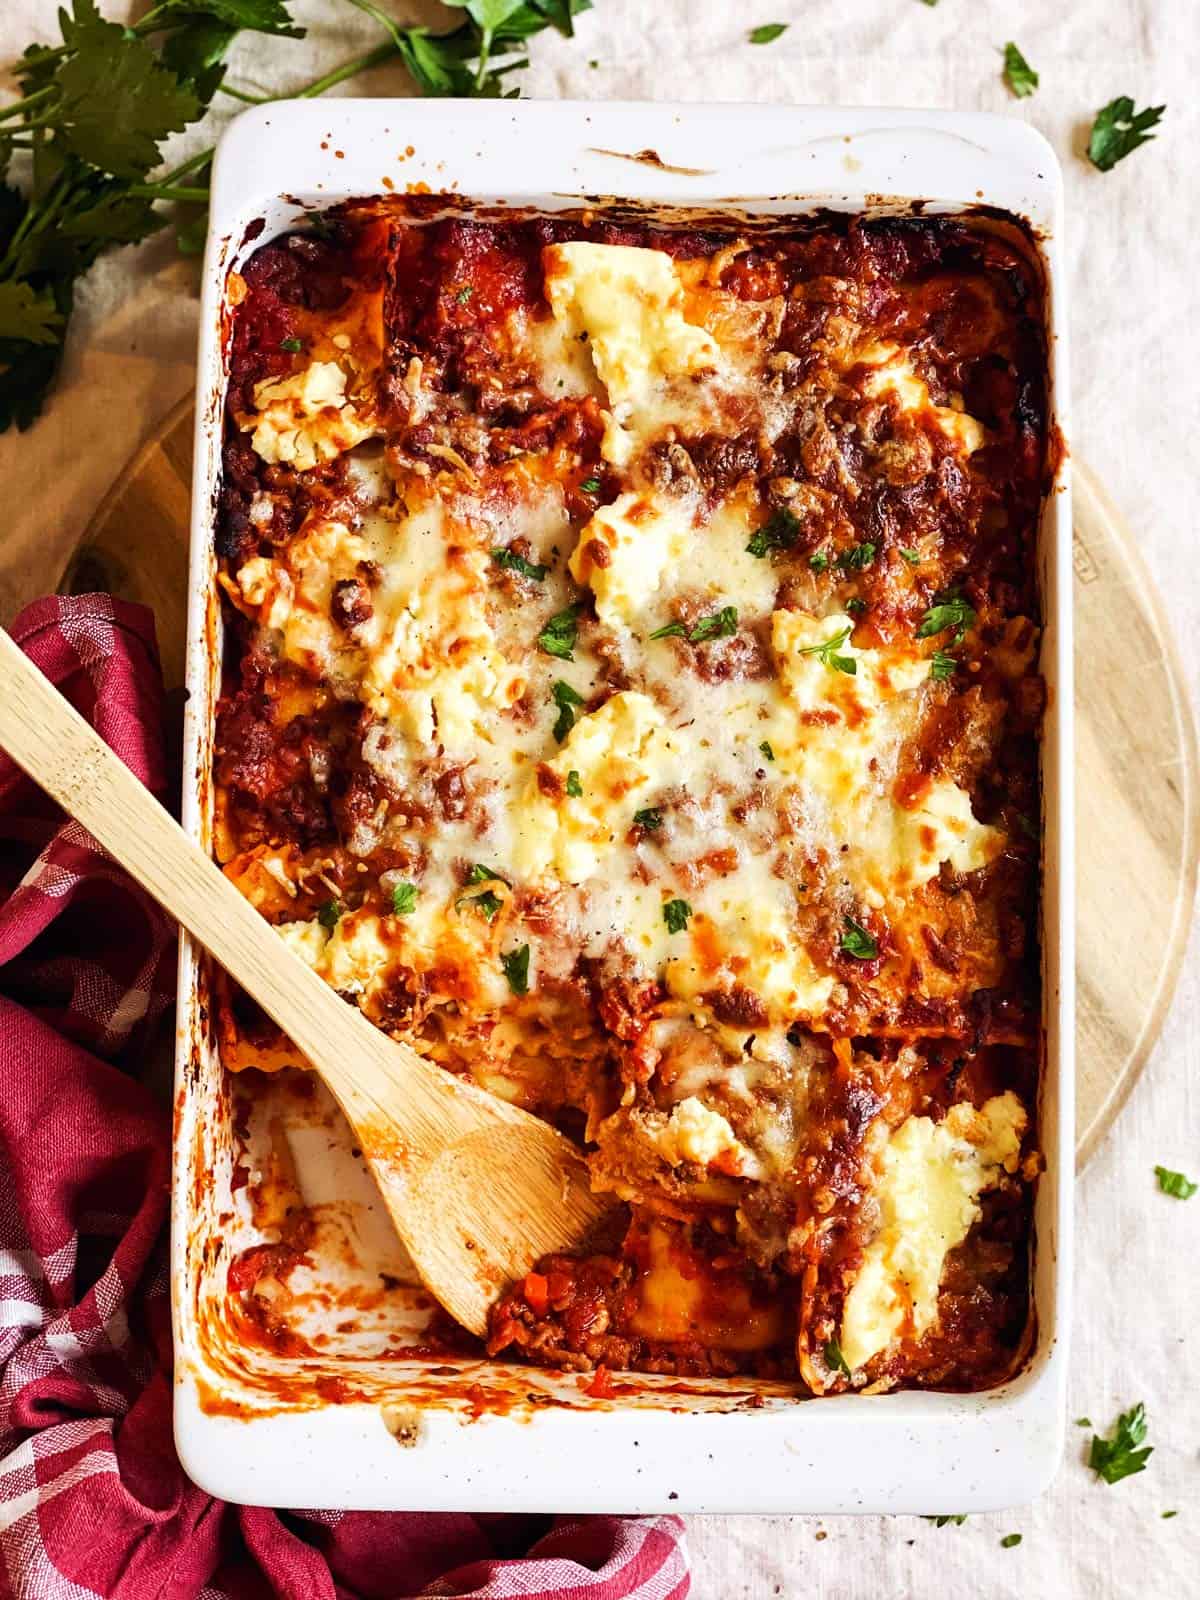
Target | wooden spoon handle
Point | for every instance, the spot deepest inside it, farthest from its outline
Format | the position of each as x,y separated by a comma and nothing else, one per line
69,760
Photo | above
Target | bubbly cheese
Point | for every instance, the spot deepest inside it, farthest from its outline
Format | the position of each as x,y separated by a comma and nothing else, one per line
616,755
893,375
695,1132
626,305
931,1176
305,418
841,732
305,939
627,548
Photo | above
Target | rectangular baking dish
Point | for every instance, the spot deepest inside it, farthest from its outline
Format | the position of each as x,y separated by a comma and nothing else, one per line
365,1422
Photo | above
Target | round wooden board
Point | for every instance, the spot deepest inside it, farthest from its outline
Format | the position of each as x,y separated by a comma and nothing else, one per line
1136,765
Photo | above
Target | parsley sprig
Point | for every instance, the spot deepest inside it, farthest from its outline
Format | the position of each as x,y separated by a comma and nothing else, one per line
1119,129
827,654
722,624
95,109
1119,1457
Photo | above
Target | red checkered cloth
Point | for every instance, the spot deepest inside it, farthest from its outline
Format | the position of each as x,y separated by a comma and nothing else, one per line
92,1498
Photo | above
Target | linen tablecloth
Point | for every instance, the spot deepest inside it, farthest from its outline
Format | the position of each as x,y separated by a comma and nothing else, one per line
1136,409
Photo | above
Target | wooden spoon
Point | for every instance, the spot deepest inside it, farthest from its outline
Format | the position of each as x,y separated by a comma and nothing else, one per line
477,1189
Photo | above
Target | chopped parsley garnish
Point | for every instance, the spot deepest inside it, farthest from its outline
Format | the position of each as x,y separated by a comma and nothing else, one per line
590,486
818,561
913,557
676,915
765,747
404,899
827,654
558,637
487,904
856,607
1018,74
778,532
1174,1183
516,969
1167,1514
1084,1422
650,818
293,346
955,1520
720,625
949,610
834,1359
1010,1540
1118,130
858,557
567,700
942,666
1119,1457
330,914
767,32
574,787
481,874
857,942
464,294
510,560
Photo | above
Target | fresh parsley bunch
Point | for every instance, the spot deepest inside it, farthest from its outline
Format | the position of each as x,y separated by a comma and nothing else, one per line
81,148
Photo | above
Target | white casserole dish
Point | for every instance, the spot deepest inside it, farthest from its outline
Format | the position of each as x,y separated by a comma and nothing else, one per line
251,1426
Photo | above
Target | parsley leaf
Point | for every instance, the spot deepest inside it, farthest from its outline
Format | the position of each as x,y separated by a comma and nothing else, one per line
857,942
487,904
590,486
721,624
826,654
650,818
114,102
834,1359
1118,130
330,915
676,915
510,560
954,1520
858,557
818,561
481,874
28,315
1119,1457
768,753
767,32
942,666
293,346
949,610
1018,74
566,699
1167,1514
558,637
1010,1540
463,295
1084,1422
404,899
1174,1183
778,532
516,969
913,557
856,607
574,787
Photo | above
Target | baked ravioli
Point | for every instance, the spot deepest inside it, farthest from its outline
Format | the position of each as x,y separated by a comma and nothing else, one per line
631,700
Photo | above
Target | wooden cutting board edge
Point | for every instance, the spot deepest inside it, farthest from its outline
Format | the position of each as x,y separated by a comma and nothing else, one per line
136,546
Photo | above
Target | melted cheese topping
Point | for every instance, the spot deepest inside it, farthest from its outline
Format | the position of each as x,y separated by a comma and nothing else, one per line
626,305
626,550
931,1177
305,418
